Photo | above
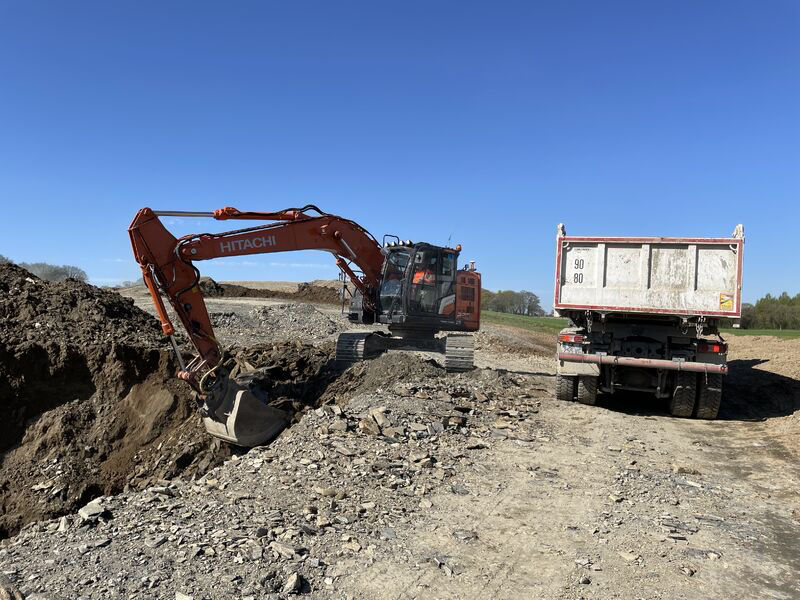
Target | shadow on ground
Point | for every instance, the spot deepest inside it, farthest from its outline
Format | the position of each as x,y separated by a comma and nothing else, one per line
756,393
751,394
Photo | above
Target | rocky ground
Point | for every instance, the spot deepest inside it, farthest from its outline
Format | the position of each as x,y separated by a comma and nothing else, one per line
399,480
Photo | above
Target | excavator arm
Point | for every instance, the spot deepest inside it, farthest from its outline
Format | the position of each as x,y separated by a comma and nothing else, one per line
168,270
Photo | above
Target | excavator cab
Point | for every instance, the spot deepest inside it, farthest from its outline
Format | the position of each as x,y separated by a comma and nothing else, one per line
421,293
422,289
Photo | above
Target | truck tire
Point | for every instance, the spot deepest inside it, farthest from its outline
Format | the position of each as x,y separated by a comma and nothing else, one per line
587,389
565,387
710,396
682,403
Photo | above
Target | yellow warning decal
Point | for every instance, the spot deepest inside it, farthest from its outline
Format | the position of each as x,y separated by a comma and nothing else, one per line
725,301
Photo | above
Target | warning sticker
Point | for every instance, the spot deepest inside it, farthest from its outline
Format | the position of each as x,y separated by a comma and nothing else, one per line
725,301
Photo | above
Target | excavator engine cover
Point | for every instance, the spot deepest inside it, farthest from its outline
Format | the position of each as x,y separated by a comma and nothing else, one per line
243,416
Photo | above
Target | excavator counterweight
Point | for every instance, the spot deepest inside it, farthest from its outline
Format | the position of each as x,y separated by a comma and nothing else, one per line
413,290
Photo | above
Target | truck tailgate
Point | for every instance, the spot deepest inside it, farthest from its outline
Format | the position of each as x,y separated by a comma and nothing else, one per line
679,276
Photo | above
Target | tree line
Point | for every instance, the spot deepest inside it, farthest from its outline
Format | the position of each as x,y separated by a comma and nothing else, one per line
508,301
50,272
770,312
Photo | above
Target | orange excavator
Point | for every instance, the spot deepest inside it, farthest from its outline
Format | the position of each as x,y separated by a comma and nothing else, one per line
415,289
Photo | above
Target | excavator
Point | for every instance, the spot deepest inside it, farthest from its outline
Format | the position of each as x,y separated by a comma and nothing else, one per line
413,290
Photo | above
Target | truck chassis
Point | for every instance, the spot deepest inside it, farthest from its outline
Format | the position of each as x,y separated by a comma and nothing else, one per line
665,358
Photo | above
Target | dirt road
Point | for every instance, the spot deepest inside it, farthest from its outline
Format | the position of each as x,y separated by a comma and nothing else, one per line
608,504
431,485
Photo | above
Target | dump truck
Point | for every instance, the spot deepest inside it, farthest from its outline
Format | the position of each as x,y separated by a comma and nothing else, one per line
645,316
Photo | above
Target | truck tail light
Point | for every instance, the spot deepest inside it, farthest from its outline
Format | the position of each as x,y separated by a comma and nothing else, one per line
571,338
712,348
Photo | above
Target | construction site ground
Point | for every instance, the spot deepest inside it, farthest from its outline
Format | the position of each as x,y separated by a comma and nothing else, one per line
396,479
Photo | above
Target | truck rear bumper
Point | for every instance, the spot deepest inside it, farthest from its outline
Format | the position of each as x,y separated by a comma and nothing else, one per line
647,363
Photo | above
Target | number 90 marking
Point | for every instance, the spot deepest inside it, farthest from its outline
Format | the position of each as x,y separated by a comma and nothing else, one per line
578,277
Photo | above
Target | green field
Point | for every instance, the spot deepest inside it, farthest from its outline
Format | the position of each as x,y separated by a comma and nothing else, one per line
546,324
781,333
552,324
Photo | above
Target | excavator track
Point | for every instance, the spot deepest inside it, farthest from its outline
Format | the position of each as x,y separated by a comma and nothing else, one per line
351,348
459,354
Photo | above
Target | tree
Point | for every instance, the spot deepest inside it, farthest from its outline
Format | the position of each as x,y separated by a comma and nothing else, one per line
4,260
769,312
508,301
128,283
530,304
50,272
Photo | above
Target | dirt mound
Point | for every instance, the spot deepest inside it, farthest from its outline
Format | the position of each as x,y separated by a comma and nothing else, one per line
88,398
508,340
271,324
381,373
35,310
298,376
306,292
55,339
289,321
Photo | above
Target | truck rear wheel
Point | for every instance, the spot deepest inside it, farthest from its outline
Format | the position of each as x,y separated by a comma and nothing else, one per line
710,396
565,387
682,404
587,389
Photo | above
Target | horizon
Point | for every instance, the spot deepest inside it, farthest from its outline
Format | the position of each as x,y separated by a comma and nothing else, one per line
483,125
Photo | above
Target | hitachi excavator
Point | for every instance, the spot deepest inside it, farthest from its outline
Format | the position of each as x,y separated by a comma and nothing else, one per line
415,289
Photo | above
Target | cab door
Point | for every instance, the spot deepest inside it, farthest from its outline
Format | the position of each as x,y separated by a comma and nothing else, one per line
432,282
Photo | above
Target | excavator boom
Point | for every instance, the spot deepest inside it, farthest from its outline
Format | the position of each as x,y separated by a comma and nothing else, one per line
168,269
418,306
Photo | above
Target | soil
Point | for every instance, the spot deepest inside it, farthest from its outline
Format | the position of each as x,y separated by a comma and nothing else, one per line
306,292
90,404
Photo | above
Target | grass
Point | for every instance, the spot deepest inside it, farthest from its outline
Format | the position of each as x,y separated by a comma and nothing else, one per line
780,333
545,324
554,325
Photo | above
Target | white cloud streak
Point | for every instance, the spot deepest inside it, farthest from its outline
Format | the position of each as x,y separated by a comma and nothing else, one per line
301,265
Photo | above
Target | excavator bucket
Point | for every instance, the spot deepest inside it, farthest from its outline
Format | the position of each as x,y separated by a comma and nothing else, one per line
243,417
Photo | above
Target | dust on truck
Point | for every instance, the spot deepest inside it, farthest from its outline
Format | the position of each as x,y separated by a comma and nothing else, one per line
645,316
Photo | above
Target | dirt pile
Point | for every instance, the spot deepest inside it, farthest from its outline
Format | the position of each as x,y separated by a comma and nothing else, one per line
272,324
88,398
61,341
306,292
291,321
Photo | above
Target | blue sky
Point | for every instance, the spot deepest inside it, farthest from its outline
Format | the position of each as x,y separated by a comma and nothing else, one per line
487,123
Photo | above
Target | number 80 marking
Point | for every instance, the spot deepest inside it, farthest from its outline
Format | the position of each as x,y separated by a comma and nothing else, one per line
578,277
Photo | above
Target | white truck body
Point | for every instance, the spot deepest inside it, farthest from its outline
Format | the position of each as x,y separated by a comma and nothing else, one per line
667,276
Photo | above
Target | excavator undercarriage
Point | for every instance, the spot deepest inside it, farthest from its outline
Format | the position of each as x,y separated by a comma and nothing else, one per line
413,290
357,346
